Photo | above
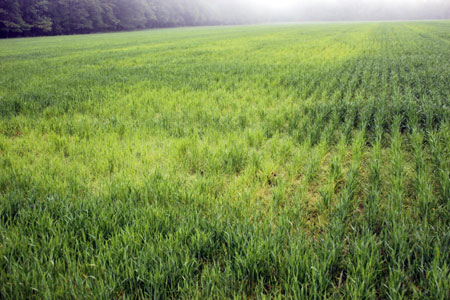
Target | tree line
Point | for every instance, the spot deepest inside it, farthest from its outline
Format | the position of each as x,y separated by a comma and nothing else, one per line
56,17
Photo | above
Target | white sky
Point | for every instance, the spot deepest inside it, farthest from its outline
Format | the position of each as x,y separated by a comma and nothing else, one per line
347,9
275,4
286,4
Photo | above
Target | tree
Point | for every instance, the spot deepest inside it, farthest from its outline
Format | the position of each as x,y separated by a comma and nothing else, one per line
109,19
130,13
11,22
79,19
35,14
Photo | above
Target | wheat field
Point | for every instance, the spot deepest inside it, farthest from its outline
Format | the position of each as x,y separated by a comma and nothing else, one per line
299,161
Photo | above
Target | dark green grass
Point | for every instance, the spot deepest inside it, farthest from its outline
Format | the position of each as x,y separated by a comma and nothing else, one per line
285,161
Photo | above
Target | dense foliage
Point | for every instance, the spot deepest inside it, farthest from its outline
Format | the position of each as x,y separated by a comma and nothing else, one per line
49,17
56,17
288,161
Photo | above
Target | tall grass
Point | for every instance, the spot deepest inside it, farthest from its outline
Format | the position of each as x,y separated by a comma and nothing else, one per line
284,161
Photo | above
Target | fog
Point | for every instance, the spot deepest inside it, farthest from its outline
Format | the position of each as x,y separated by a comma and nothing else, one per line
336,10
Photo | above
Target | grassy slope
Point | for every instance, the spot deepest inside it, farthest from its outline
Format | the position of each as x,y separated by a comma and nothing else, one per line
310,161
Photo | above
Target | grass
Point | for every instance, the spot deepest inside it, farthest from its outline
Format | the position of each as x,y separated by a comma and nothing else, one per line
284,161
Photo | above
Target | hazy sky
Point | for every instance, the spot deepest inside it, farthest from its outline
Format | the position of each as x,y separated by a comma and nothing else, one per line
287,4
275,4
351,9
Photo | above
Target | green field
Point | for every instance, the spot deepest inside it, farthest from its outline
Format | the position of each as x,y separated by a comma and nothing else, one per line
304,161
